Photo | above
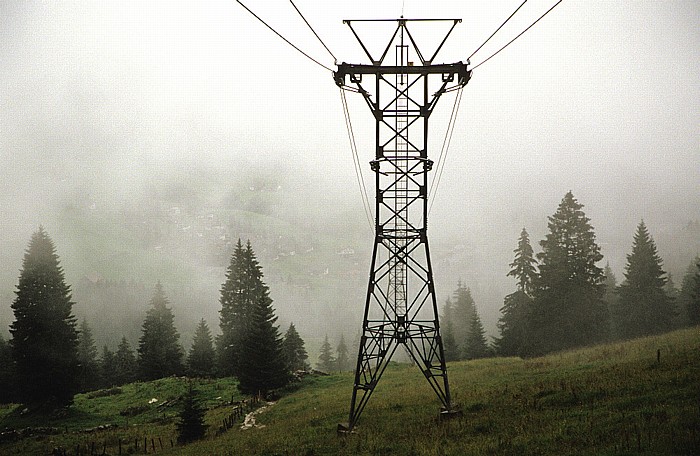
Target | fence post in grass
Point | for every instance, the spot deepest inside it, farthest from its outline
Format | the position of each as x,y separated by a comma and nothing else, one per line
658,356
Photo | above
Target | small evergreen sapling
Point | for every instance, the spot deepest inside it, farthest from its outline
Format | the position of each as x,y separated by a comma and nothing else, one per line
191,426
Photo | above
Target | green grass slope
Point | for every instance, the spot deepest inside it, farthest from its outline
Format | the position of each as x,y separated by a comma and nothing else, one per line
612,399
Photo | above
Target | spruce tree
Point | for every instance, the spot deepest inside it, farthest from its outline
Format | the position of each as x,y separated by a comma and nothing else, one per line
201,358
693,306
260,362
108,368
644,307
240,292
449,343
475,346
89,375
126,368
689,308
326,360
7,374
294,350
44,336
512,324
568,308
463,310
159,353
191,425
341,359
524,266
611,299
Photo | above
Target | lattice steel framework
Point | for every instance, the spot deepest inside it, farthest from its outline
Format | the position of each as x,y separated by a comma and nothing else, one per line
400,307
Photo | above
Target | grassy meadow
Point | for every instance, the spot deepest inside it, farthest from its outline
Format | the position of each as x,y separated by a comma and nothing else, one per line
637,397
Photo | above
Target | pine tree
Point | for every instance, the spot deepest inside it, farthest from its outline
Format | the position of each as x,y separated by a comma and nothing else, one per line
449,344
89,376
108,368
261,363
512,324
524,266
568,308
341,360
644,307
693,306
326,361
294,350
685,296
611,298
476,346
7,374
689,311
191,426
463,310
201,358
126,368
44,337
240,292
159,353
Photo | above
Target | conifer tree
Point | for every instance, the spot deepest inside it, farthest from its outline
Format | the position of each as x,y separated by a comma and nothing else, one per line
108,368
689,311
126,368
644,307
191,425
449,344
201,358
463,310
260,362
294,350
240,292
524,266
568,308
512,324
89,375
475,346
7,374
326,360
341,359
693,306
44,336
611,299
159,353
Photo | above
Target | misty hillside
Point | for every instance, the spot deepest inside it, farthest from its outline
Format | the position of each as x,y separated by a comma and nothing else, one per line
624,398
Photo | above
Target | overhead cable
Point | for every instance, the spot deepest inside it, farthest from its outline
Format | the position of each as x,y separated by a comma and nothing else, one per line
499,28
356,161
445,147
285,39
314,32
519,35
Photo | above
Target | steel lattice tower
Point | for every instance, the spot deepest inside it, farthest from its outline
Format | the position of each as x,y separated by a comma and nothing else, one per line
401,309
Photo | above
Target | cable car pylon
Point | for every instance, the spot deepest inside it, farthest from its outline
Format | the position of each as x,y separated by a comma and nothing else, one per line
401,87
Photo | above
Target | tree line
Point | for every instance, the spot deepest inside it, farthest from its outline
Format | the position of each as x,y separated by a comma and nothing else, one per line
563,299
49,357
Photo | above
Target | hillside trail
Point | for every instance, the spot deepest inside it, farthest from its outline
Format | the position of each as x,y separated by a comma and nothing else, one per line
249,421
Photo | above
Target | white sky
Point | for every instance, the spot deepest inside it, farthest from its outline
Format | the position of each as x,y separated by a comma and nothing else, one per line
600,97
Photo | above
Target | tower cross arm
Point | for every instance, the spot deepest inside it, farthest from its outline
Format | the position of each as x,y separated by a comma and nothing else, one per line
459,69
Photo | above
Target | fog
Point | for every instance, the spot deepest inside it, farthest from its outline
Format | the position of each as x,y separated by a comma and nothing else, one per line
141,134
